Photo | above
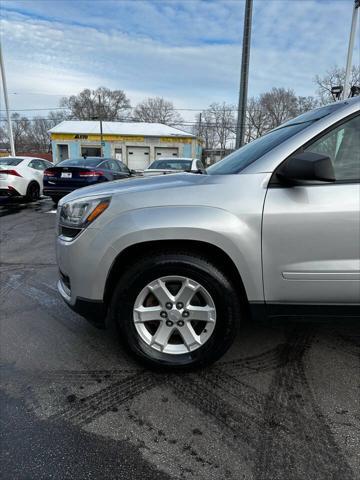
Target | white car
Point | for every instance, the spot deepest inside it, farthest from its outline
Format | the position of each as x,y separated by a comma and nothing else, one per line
173,165
22,176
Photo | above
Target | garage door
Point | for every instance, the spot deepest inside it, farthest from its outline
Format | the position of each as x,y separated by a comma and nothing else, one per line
164,152
138,157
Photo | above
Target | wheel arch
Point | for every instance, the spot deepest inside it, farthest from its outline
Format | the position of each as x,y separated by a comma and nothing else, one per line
33,181
223,261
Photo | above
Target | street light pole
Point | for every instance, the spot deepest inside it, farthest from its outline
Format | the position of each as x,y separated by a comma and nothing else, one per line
11,135
346,89
101,128
241,120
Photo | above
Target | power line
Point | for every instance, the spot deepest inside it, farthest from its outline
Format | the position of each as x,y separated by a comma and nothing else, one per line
189,123
124,108
35,109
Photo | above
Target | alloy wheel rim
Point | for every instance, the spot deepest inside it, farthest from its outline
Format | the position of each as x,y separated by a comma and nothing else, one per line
174,315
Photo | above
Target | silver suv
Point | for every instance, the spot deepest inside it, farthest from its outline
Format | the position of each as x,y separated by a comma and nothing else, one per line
177,261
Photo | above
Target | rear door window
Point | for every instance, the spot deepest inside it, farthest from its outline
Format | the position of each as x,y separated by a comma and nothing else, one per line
114,166
36,164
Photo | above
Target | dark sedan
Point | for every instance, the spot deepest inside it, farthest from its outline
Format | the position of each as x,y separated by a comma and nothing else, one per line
69,175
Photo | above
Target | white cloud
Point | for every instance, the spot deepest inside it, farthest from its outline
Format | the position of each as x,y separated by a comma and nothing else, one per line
188,52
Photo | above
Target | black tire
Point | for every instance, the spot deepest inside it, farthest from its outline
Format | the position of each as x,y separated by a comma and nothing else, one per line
55,199
186,264
33,192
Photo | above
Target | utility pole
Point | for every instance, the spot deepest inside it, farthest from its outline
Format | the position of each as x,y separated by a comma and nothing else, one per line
346,89
244,76
101,129
11,135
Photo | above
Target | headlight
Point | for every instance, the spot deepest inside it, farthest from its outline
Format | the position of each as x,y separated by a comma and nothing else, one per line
80,213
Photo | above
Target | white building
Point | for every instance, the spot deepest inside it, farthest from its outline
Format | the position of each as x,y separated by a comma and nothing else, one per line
136,144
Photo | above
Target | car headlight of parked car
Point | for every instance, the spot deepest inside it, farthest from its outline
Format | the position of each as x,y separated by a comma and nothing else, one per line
76,215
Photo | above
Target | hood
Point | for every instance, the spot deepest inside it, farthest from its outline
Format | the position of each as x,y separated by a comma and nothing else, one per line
142,184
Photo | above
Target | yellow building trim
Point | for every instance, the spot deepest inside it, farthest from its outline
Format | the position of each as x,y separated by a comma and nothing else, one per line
175,140
97,138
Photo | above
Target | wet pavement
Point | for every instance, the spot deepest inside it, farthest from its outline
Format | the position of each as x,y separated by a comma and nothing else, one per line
282,404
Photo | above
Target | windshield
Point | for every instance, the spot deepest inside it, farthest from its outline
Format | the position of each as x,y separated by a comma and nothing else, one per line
10,161
242,158
171,165
81,162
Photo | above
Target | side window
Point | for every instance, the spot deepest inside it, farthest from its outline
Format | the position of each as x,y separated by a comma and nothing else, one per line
46,164
124,168
43,164
342,145
105,165
114,166
199,165
36,164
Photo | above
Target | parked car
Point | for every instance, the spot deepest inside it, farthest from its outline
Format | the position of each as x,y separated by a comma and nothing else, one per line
173,165
22,176
177,261
69,175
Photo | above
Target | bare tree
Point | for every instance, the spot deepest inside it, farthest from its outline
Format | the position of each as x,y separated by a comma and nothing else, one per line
157,110
217,125
222,115
21,131
57,116
334,77
39,138
280,105
85,106
304,104
256,120
205,129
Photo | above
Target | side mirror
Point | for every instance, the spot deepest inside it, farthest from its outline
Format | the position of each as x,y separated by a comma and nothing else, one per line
306,167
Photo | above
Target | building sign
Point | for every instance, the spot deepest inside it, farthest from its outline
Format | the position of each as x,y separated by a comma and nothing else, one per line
175,140
94,137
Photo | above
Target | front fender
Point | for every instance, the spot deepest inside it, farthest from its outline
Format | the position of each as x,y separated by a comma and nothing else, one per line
239,239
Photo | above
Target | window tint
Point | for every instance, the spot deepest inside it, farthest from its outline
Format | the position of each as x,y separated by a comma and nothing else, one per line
105,165
242,158
199,165
10,161
80,162
123,167
36,164
171,165
47,164
114,166
44,164
342,145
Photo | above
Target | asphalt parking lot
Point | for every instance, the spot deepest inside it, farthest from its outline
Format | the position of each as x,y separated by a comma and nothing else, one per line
282,404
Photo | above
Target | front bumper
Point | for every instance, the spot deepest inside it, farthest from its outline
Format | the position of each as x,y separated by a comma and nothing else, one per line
93,310
84,264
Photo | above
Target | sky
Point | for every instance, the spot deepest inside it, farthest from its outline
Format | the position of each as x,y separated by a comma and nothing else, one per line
186,51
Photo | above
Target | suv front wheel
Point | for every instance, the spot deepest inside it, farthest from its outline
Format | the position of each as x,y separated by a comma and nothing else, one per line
175,310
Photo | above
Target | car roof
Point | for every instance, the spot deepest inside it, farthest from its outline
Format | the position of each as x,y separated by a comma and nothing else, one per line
24,158
175,159
101,159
